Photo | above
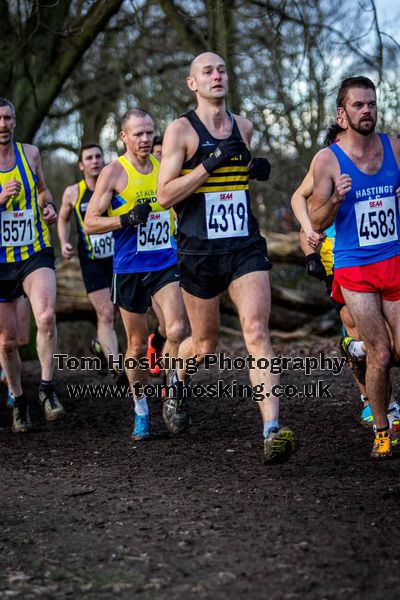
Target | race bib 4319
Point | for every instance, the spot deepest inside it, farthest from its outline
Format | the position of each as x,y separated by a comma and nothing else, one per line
226,214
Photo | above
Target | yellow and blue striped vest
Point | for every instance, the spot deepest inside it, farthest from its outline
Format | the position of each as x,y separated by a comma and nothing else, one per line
27,199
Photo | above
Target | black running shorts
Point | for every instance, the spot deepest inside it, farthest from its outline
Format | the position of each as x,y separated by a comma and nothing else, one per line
133,291
97,274
12,275
208,276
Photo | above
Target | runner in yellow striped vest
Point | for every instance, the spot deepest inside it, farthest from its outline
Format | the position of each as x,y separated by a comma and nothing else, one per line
26,265
95,252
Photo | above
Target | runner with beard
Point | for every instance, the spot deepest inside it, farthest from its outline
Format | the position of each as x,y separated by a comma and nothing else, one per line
355,186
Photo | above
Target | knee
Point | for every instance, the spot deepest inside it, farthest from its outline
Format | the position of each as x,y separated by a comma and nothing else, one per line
105,316
255,332
206,346
380,356
136,347
46,321
175,332
8,344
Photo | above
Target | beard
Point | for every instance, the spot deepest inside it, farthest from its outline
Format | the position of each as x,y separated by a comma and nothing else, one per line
5,137
364,127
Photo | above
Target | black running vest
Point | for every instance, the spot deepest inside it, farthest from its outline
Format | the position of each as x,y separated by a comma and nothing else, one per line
217,217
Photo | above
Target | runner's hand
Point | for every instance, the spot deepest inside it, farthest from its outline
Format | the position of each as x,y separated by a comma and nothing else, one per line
259,169
67,250
342,187
137,215
10,189
49,213
225,150
313,238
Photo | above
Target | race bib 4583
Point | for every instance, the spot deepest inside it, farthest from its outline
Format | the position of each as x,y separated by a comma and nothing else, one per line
226,214
376,221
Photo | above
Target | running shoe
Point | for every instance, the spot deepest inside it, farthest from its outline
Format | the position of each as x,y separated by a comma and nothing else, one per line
395,435
175,408
97,350
21,417
279,445
382,446
53,409
142,428
10,399
152,356
358,367
367,420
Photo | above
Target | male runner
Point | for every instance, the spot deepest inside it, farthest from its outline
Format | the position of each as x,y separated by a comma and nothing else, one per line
156,338
204,175
27,266
95,252
355,186
145,249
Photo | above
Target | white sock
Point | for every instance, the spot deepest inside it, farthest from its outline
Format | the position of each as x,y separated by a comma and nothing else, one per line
141,408
356,350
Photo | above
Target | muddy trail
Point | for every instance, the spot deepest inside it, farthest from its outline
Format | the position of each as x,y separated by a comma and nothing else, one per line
86,513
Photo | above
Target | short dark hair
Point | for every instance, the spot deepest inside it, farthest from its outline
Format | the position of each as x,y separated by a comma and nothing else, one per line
158,140
133,112
5,102
352,82
331,134
86,147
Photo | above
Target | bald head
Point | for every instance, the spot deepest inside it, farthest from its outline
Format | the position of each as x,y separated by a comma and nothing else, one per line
203,60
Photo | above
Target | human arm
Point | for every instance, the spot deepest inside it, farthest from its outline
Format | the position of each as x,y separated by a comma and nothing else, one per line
46,201
180,142
68,201
111,179
299,206
101,198
330,188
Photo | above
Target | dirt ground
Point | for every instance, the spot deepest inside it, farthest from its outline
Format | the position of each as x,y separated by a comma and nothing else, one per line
86,513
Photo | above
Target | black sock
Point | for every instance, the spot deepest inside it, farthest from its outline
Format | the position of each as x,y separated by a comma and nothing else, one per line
19,399
381,429
46,386
158,340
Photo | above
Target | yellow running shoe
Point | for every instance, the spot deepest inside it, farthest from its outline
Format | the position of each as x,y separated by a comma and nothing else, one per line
382,445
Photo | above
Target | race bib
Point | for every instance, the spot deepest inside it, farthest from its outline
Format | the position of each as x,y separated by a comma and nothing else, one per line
226,214
376,221
155,233
102,244
17,228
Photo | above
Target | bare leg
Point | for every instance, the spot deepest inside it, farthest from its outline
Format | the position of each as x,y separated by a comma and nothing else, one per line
9,356
251,294
136,333
40,287
105,312
172,311
366,309
204,321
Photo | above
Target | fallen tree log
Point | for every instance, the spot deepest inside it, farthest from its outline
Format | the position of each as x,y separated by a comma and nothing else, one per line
291,309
